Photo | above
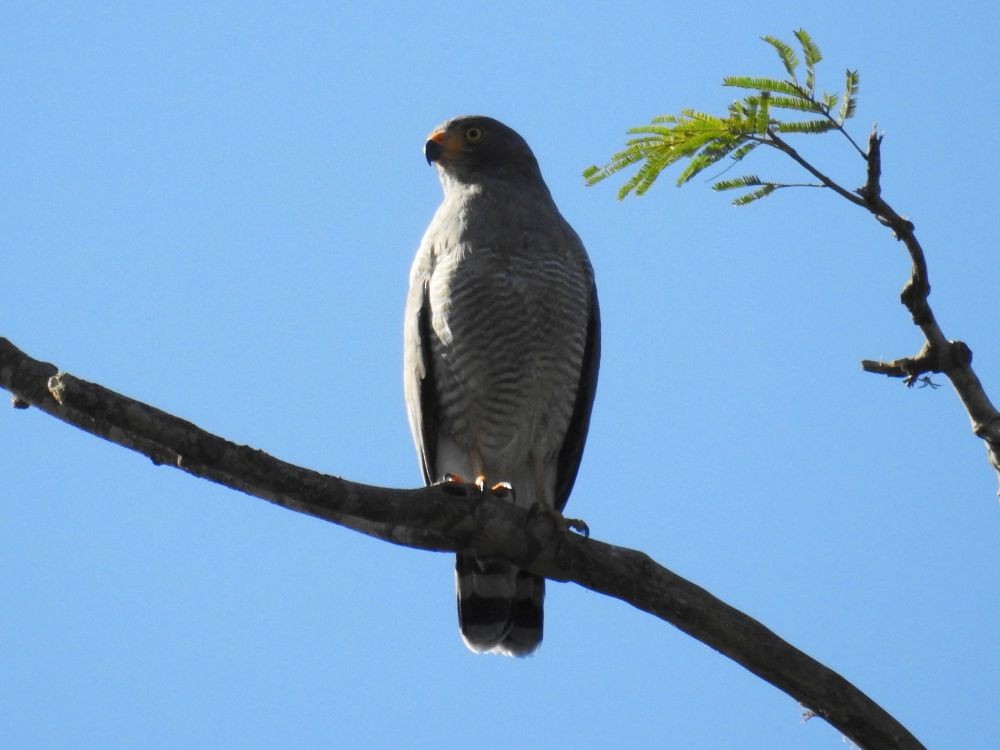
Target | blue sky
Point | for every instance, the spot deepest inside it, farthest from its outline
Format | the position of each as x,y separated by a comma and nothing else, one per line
213,208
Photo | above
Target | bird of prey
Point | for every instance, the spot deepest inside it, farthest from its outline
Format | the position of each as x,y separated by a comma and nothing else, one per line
501,352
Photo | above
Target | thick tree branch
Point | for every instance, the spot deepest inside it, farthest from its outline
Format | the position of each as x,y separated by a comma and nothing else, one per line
458,517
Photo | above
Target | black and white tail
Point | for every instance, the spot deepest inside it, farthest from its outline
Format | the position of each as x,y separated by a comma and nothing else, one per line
499,606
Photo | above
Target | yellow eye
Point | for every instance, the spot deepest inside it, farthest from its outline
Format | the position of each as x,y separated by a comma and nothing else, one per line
472,135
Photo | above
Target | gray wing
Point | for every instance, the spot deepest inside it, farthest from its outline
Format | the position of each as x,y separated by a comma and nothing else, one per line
418,378
576,436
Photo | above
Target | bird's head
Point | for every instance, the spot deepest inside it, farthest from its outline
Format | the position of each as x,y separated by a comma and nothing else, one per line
470,148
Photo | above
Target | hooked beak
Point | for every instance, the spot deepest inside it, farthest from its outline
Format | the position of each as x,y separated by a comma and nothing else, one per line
441,146
433,148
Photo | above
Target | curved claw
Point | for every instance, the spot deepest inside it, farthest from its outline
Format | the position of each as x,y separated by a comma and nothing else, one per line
503,490
566,524
578,525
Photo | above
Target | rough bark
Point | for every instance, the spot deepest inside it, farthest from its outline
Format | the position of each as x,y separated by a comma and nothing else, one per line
457,517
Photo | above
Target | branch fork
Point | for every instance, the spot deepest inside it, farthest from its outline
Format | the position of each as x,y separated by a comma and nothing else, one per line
953,356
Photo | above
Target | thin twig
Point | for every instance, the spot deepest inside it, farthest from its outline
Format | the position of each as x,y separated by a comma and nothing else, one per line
774,140
840,127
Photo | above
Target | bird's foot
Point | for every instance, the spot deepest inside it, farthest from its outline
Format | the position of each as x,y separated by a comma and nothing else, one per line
501,490
454,484
578,525
559,520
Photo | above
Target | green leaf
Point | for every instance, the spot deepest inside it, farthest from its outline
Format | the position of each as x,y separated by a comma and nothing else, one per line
763,115
786,53
802,105
743,150
765,84
748,117
651,129
763,192
619,161
810,49
697,164
812,55
671,119
711,154
656,162
806,126
702,117
749,180
849,103
628,187
705,140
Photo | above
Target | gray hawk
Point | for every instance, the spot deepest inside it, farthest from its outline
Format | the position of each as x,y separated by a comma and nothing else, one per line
501,352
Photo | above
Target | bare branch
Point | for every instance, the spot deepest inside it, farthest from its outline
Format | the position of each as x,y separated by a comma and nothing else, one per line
952,358
928,359
873,186
458,517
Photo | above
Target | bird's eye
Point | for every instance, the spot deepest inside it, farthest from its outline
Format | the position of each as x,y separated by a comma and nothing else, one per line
472,135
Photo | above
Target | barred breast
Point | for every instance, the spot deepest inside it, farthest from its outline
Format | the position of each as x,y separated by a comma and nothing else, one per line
509,324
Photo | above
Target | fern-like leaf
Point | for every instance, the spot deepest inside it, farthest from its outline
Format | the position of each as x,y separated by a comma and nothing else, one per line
756,195
806,126
743,150
802,105
849,103
697,164
749,180
765,84
651,129
747,121
656,162
711,154
625,190
787,55
812,55
705,140
702,117
763,114
619,160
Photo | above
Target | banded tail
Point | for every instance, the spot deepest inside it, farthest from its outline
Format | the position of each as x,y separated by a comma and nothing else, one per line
499,606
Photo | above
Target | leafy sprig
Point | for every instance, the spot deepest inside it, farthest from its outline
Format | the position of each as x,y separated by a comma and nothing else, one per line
706,140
